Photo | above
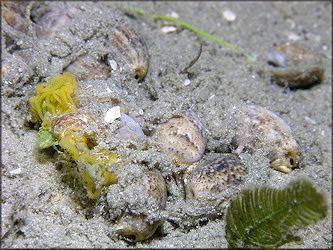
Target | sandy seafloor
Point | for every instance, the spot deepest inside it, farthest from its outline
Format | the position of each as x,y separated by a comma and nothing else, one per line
42,208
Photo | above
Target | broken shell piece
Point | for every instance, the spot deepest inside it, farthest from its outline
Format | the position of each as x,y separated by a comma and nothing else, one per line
184,137
168,29
131,130
205,182
137,226
260,128
229,15
133,49
297,66
112,114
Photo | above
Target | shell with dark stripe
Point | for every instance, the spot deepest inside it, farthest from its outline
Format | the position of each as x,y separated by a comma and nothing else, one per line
203,181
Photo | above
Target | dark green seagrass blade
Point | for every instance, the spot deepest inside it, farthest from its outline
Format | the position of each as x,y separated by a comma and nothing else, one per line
266,217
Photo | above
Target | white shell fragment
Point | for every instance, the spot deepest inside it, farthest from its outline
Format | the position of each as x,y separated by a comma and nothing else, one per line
112,114
260,128
113,64
229,15
184,137
168,29
15,172
187,82
131,130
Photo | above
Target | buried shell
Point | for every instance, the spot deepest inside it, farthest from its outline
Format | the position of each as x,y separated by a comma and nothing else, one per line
86,68
297,66
184,137
53,21
205,182
133,49
13,13
260,128
137,226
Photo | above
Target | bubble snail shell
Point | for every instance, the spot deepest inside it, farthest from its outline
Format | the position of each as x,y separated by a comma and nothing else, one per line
296,66
133,49
135,227
259,127
184,137
206,181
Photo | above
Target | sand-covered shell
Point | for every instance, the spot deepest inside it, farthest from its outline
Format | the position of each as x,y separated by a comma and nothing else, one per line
258,127
206,181
184,137
87,68
136,226
13,13
133,49
297,66
53,21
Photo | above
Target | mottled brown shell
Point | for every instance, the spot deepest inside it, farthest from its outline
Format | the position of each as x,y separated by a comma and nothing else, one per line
133,49
184,137
204,182
13,13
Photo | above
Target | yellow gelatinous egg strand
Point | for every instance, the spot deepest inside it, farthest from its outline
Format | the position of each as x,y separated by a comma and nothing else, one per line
58,95
96,175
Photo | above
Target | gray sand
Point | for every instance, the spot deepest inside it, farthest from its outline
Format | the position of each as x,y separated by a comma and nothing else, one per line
42,206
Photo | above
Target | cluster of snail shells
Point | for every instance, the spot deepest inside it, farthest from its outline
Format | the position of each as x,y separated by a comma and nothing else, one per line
184,138
256,127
